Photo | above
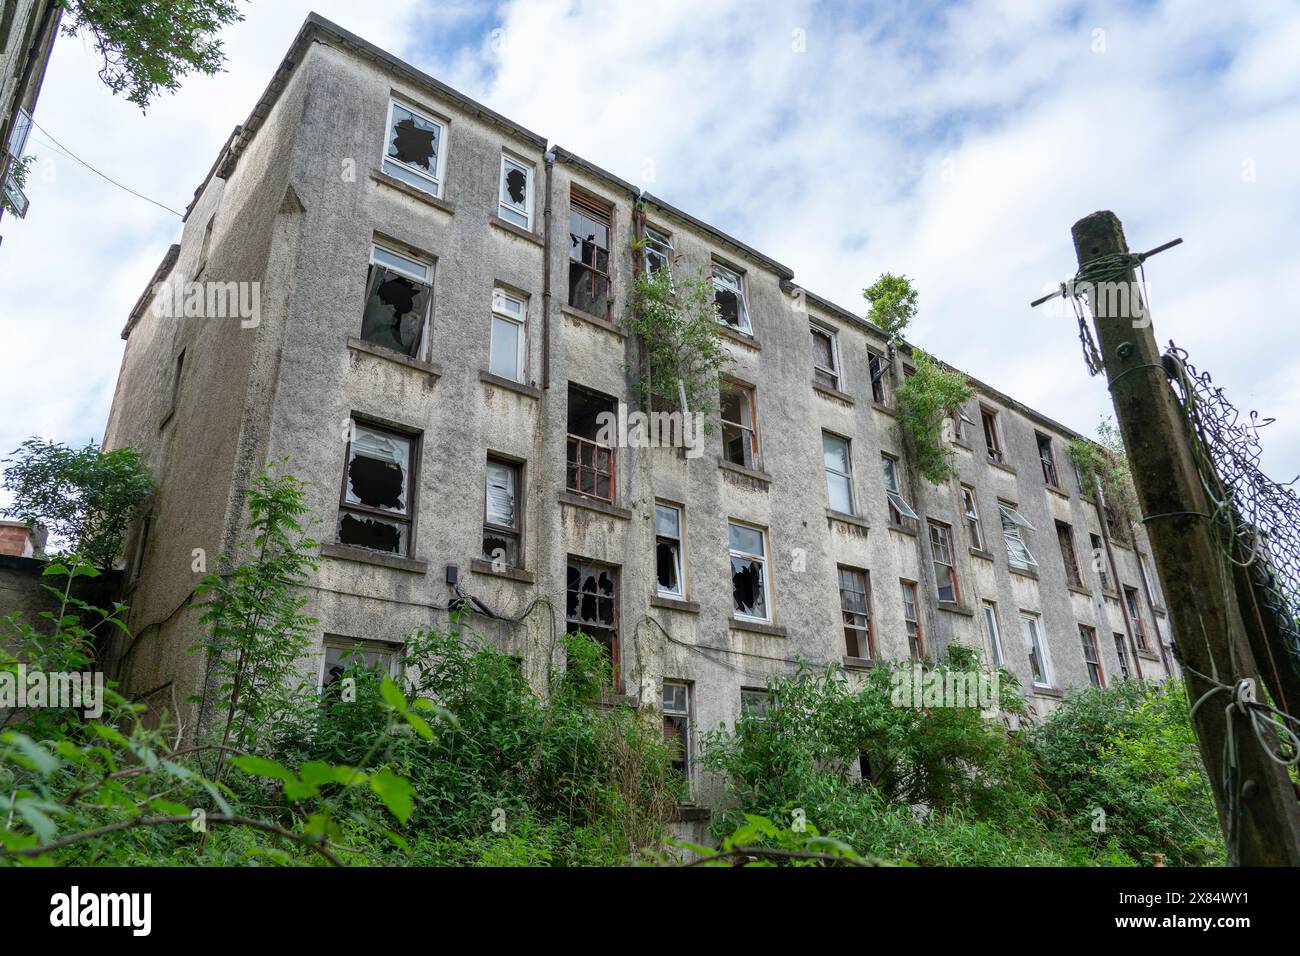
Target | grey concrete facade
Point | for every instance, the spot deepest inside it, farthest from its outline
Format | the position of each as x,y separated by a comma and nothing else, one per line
295,203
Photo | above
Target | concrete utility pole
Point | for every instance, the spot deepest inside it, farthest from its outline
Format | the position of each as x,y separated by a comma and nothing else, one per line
1207,623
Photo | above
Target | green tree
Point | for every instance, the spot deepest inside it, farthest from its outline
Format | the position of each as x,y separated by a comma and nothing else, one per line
893,304
925,399
147,47
85,497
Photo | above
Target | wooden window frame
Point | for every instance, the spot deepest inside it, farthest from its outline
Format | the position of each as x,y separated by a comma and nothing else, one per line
945,532
916,637
856,634
1088,640
992,435
971,518
754,446
835,372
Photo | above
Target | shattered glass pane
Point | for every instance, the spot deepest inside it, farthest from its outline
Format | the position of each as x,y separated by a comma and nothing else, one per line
501,549
501,494
364,531
747,587
339,660
377,470
666,566
396,307
413,140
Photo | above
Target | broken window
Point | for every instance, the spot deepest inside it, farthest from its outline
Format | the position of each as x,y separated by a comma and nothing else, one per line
1065,534
1088,637
964,425
509,322
826,357
668,550
970,513
659,253
344,655
912,621
1047,459
590,458
19,129
992,632
992,440
591,606
376,507
739,436
677,725
398,292
945,571
729,296
502,521
516,199
1017,552
1135,616
878,369
1099,560
1116,525
755,703
1039,666
415,148
589,284
839,472
749,589
900,512
855,605
1122,655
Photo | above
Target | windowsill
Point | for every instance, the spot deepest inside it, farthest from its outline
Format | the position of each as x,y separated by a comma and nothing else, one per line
831,392
1121,544
1053,692
858,663
514,230
479,566
1057,490
674,604
1000,467
845,518
1078,590
414,192
903,529
691,814
509,385
1160,612
952,608
608,325
747,340
885,409
592,504
1024,572
1149,655
756,627
958,443
762,476
980,553
361,345
1113,595
344,552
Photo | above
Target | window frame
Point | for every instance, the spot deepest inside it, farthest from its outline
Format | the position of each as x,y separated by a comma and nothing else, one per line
879,386
614,628
343,642
1047,459
721,272
847,476
517,532
414,440
836,372
945,531
1121,654
400,264
864,631
1099,548
575,468
971,519
1134,606
993,633
680,556
500,294
993,448
1069,555
438,178
754,446
504,203
687,716
659,243
1088,641
763,560
910,595
754,693
898,505
1036,648
1012,521
601,212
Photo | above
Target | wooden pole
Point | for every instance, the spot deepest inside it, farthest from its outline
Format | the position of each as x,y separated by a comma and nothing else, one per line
1198,582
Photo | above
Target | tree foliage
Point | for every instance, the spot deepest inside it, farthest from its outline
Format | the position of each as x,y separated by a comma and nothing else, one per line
85,497
147,47
892,304
925,400
1104,464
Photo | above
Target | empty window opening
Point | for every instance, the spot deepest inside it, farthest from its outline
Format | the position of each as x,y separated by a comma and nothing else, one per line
878,369
589,282
1047,459
502,521
375,510
1099,560
516,199
838,460
992,440
945,570
1065,535
749,584
729,296
668,550
591,606
739,434
509,323
826,357
414,149
398,292
855,606
590,462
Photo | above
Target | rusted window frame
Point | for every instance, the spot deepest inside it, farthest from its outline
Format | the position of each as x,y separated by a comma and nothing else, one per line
604,213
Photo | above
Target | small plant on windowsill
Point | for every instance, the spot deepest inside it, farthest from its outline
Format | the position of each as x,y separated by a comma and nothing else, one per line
677,321
925,400
1104,465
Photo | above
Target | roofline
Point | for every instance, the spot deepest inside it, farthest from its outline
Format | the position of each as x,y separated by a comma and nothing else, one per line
160,273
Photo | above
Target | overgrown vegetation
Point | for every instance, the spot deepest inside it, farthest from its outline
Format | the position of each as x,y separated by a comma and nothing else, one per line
677,320
19,170
892,302
925,400
84,497
1104,464
147,48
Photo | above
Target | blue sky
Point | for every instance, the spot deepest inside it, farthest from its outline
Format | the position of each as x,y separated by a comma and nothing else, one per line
955,143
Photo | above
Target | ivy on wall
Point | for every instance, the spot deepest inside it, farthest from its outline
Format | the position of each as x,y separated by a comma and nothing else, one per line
925,399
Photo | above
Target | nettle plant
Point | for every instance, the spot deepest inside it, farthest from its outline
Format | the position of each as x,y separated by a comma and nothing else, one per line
926,399
677,320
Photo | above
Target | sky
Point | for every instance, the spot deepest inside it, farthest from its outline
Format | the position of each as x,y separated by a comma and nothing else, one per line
955,143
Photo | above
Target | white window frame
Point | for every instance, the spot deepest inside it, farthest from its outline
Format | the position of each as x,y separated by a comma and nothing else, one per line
847,475
762,562
343,643
659,245
437,179
417,270
727,279
889,469
680,538
1012,522
835,372
993,632
500,298
505,203
756,694
1029,627
685,713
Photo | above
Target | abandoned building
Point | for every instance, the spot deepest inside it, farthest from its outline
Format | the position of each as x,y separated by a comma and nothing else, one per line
27,32
439,330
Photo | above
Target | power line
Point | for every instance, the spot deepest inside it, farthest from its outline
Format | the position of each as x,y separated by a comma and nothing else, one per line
110,179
